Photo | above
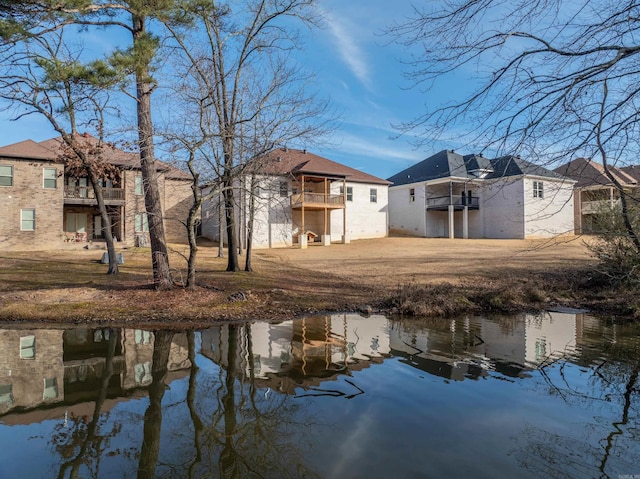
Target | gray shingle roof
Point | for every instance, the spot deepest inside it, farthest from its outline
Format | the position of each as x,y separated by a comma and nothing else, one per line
448,164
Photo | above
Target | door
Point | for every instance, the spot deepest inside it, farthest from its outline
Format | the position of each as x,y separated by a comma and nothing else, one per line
441,228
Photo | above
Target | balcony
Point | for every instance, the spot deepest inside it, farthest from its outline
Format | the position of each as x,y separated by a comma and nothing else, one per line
84,195
458,202
317,201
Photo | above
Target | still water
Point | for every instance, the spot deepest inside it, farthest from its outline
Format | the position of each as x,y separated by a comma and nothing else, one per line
340,396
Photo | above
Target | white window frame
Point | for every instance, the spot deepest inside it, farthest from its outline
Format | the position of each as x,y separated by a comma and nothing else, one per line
349,192
10,176
283,189
50,388
28,347
373,195
139,185
24,220
141,223
538,189
412,195
45,178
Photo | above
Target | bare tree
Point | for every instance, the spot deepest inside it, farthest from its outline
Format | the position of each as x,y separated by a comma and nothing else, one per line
552,78
43,77
249,96
22,21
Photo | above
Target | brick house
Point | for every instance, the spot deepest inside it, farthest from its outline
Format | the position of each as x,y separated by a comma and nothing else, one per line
46,209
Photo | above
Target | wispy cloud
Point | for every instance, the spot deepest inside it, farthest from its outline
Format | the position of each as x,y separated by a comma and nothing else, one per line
351,51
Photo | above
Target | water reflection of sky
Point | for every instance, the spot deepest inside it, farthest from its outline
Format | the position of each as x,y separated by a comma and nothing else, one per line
332,396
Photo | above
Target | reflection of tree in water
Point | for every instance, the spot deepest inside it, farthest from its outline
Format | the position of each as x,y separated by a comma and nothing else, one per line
607,447
83,441
153,415
253,433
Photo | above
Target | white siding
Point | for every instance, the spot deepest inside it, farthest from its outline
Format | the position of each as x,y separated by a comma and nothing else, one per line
364,218
408,217
551,215
275,223
502,209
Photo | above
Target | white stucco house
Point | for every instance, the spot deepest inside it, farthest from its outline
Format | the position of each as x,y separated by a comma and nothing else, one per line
455,196
300,198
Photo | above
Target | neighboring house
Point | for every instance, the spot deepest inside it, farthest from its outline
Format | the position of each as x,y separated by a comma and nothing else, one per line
301,197
45,208
594,191
455,196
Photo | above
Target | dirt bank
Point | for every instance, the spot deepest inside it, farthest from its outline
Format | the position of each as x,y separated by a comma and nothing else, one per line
414,275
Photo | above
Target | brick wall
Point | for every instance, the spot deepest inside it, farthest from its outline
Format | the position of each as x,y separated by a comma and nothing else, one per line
28,192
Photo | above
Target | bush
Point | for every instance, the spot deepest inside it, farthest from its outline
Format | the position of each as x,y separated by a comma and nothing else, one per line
618,256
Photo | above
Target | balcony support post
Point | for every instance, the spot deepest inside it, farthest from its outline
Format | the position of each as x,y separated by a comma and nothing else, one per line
465,222
451,226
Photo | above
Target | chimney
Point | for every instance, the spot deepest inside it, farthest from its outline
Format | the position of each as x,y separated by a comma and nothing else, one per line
304,152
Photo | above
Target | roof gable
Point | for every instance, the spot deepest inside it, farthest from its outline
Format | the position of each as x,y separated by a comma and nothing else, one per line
589,173
286,161
27,149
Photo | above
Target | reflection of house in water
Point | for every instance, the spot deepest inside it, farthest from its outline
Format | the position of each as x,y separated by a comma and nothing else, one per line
42,367
304,352
301,352
472,346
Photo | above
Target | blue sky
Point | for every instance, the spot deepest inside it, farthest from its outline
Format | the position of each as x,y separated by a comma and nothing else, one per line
356,69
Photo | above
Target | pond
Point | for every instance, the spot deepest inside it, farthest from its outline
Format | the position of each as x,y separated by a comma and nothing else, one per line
335,396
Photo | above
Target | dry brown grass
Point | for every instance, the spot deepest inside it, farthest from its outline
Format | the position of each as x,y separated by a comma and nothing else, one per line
412,275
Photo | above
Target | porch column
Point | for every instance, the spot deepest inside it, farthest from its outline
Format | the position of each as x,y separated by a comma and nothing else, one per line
326,239
302,235
451,228
465,222
451,210
611,199
578,208
345,238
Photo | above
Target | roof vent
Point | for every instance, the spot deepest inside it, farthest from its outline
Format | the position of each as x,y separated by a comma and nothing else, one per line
304,152
278,159
85,134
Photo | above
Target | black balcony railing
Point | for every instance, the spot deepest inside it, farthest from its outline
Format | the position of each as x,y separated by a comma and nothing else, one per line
442,202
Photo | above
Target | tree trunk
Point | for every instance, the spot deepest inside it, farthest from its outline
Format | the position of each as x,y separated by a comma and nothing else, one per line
106,221
232,241
153,415
159,256
191,234
250,220
221,222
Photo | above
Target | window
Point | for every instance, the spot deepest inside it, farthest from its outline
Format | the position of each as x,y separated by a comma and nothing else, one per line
142,373
28,220
538,189
6,394
373,195
412,195
139,190
349,192
6,175
142,223
28,347
50,388
284,189
50,176
142,337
